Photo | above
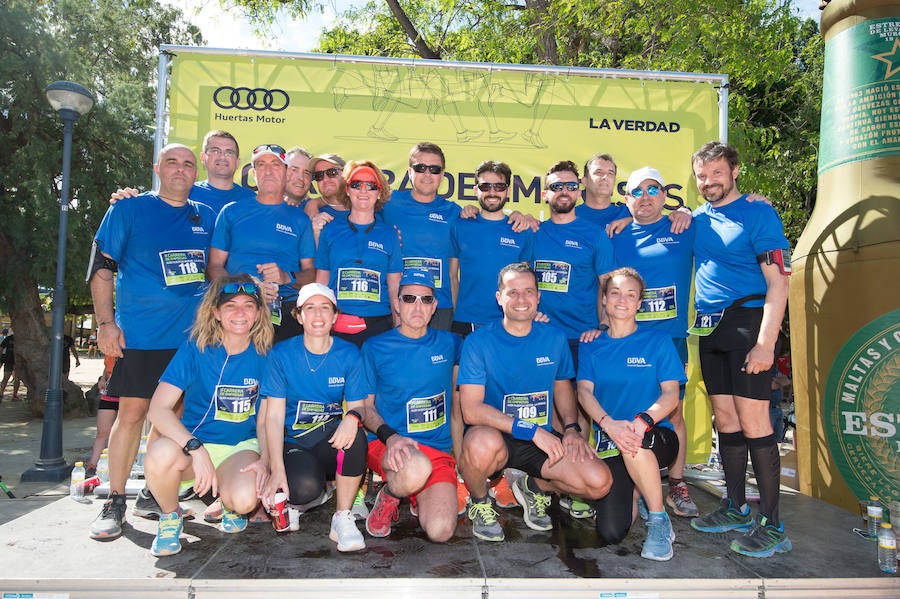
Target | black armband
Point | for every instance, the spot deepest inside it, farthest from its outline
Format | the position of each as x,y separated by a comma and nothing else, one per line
100,261
384,433
780,257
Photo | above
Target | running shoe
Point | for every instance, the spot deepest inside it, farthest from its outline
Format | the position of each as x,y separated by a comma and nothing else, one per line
383,514
359,509
503,495
232,522
679,499
344,532
660,536
168,531
534,505
108,525
146,506
725,518
764,539
462,497
484,521
643,512
576,506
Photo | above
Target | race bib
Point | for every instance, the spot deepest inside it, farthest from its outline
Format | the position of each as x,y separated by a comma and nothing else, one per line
704,324
236,403
359,284
312,414
532,407
657,304
552,275
180,267
603,445
426,413
432,265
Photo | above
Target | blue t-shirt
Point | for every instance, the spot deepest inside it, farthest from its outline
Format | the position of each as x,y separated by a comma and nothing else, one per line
425,236
253,233
221,392
603,216
727,242
627,371
483,247
412,380
665,261
358,259
161,251
216,198
569,260
518,373
313,385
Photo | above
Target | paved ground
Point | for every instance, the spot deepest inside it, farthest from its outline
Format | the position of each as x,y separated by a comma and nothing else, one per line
45,547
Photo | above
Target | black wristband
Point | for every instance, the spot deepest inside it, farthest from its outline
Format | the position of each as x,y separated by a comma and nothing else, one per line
384,433
574,425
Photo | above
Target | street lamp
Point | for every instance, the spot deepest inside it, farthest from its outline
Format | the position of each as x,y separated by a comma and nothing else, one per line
70,100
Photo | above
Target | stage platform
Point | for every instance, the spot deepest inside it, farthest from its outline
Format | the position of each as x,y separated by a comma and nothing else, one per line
46,552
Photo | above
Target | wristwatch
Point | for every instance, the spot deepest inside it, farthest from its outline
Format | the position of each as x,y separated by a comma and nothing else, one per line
192,444
573,425
648,421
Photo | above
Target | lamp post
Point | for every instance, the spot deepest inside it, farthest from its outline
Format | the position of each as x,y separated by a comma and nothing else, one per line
70,100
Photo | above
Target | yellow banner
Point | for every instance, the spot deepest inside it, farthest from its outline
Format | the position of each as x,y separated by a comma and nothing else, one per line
528,117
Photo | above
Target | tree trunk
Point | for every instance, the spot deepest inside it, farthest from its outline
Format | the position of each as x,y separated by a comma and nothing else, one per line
32,337
547,50
422,47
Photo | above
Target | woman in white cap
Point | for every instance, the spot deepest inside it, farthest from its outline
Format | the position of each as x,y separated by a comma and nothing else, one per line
359,257
218,443
311,439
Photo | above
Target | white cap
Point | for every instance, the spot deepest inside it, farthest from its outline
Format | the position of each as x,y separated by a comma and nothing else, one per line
637,177
311,289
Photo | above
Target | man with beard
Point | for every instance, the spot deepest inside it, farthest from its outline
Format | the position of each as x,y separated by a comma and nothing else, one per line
327,171
481,246
742,261
569,259
267,239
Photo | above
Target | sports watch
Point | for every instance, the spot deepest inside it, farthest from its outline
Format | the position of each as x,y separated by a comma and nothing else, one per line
192,444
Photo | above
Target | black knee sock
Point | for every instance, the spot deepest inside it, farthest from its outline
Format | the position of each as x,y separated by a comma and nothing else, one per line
733,451
767,468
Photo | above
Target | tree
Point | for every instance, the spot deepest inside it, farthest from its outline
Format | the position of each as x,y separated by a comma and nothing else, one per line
774,60
110,46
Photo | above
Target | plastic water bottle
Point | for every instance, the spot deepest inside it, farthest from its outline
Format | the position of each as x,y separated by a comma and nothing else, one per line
103,467
887,549
137,469
875,513
76,486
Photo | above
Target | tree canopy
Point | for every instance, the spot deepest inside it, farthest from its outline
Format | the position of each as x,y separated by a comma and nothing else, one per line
112,48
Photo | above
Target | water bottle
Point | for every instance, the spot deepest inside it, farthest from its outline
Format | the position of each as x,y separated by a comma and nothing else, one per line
76,486
137,469
875,512
887,549
103,467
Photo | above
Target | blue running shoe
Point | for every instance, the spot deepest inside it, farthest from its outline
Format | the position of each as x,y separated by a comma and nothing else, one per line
232,522
726,518
167,535
660,536
764,539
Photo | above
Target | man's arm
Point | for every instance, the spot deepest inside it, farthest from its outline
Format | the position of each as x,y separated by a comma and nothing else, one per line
398,449
215,266
476,412
762,356
306,275
457,428
454,279
110,339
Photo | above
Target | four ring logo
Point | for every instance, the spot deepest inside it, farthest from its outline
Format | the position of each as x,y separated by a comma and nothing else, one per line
244,98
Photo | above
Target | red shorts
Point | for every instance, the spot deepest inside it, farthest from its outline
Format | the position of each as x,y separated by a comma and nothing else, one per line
443,465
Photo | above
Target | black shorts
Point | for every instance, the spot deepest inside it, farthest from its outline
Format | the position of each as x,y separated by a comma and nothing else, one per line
723,352
289,326
137,373
442,319
462,328
525,455
105,404
375,325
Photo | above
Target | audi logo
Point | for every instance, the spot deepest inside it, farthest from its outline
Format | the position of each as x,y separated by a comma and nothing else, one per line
244,98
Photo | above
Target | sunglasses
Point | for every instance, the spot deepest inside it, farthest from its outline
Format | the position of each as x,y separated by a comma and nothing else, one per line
434,169
409,298
367,185
494,186
274,148
231,289
652,191
328,172
560,185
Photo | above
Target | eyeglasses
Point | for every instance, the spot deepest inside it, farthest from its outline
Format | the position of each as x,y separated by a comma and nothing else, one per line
494,186
409,298
274,148
652,191
367,185
328,172
235,288
434,169
560,185
221,152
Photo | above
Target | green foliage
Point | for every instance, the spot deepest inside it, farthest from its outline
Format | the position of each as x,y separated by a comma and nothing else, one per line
111,47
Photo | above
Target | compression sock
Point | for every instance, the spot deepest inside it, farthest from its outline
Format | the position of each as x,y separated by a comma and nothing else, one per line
733,451
767,467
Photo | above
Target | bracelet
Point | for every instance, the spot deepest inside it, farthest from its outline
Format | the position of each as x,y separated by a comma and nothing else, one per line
356,415
384,433
523,430
600,422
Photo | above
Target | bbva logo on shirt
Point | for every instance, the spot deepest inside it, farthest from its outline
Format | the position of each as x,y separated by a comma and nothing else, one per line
639,361
543,361
251,382
198,230
571,243
508,241
374,245
287,229
335,381
438,359
436,217
666,240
